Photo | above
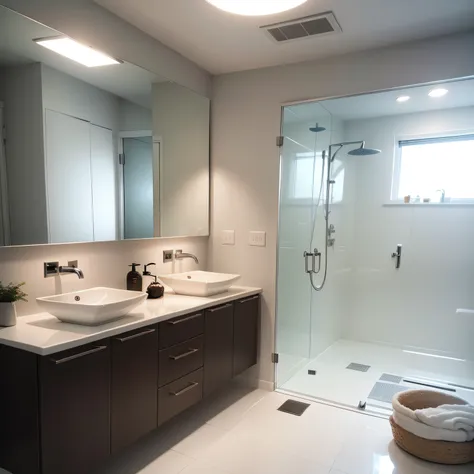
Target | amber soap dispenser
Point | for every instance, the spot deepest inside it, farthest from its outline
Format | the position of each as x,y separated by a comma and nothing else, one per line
134,279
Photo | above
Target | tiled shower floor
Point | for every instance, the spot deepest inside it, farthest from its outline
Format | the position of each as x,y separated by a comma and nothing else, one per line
334,383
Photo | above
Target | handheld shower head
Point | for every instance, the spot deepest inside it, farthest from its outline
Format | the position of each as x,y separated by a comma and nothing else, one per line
317,129
363,151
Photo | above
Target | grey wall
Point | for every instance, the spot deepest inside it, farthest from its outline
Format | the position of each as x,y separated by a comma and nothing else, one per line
25,154
133,117
246,111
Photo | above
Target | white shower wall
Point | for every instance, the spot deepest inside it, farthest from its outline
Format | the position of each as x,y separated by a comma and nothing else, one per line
415,306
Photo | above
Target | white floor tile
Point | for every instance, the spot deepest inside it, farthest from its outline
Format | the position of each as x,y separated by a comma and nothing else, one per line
169,463
200,467
193,444
371,452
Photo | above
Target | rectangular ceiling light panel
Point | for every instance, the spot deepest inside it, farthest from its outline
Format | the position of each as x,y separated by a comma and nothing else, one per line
78,52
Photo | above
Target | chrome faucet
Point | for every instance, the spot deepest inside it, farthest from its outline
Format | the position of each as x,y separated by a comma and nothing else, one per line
71,269
54,269
179,255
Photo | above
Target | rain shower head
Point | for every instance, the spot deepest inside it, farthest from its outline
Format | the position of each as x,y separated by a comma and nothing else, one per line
317,129
363,151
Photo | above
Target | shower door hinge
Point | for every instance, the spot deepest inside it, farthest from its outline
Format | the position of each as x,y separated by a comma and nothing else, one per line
275,358
280,140
121,159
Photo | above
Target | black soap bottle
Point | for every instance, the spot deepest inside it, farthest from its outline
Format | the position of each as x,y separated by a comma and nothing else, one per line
155,290
134,279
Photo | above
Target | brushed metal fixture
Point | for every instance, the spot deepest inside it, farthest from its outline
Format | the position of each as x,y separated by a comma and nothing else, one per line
315,254
167,256
51,269
398,255
54,269
71,268
180,255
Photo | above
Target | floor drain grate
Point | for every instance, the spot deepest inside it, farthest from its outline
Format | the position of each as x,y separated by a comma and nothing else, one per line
384,392
358,367
311,372
293,407
390,378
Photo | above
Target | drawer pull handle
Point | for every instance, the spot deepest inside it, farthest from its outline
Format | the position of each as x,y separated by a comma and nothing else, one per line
228,305
185,389
133,336
189,318
186,354
78,356
249,299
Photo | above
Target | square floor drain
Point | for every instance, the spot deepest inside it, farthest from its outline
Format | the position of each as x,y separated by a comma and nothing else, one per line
293,407
384,392
358,367
390,378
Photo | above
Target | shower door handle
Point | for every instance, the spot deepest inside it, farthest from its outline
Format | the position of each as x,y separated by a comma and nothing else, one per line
398,256
318,255
313,256
306,255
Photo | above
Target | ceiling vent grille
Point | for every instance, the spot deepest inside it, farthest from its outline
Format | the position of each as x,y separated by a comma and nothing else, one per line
315,25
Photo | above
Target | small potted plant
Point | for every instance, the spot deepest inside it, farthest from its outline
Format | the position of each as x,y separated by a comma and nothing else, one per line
9,294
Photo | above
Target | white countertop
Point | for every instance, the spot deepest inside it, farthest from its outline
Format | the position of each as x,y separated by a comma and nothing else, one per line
43,334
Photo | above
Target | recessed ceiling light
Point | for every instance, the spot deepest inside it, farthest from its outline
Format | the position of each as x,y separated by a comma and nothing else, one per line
76,51
256,7
403,98
438,92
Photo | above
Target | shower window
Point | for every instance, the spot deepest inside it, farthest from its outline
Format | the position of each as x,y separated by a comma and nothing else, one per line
435,167
305,172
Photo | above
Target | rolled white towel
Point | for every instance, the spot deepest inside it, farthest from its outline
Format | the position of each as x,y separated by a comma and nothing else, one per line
403,410
428,432
448,417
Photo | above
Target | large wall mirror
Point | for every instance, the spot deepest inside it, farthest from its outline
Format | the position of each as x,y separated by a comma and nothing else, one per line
95,153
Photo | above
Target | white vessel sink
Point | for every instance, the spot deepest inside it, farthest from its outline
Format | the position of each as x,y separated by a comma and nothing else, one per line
92,307
199,283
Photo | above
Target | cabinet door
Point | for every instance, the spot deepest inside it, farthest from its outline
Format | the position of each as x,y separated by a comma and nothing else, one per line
104,184
246,321
75,409
134,386
218,347
68,178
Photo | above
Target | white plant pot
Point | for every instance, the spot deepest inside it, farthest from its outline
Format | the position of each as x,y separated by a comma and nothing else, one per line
7,314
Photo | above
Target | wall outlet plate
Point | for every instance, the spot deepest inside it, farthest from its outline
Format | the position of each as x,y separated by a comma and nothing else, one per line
258,238
167,256
228,237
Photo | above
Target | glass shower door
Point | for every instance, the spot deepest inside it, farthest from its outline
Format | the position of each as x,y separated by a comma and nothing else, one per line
300,184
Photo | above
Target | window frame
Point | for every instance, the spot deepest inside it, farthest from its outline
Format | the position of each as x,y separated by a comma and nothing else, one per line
397,162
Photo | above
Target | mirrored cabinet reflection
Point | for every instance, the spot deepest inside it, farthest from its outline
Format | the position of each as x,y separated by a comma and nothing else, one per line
95,153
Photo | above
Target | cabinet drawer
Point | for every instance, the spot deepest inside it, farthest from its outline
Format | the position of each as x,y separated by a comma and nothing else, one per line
179,395
180,329
180,360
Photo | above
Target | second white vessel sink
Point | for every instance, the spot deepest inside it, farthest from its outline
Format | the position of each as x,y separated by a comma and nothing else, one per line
199,283
92,307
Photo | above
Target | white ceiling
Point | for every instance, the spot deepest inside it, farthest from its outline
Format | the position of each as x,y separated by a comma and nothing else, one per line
16,47
221,42
381,104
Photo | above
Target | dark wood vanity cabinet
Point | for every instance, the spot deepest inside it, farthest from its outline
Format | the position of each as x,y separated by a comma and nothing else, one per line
134,379
69,411
74,409
246,323
219,350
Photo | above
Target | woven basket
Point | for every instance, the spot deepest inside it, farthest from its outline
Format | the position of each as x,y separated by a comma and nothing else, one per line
442,452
